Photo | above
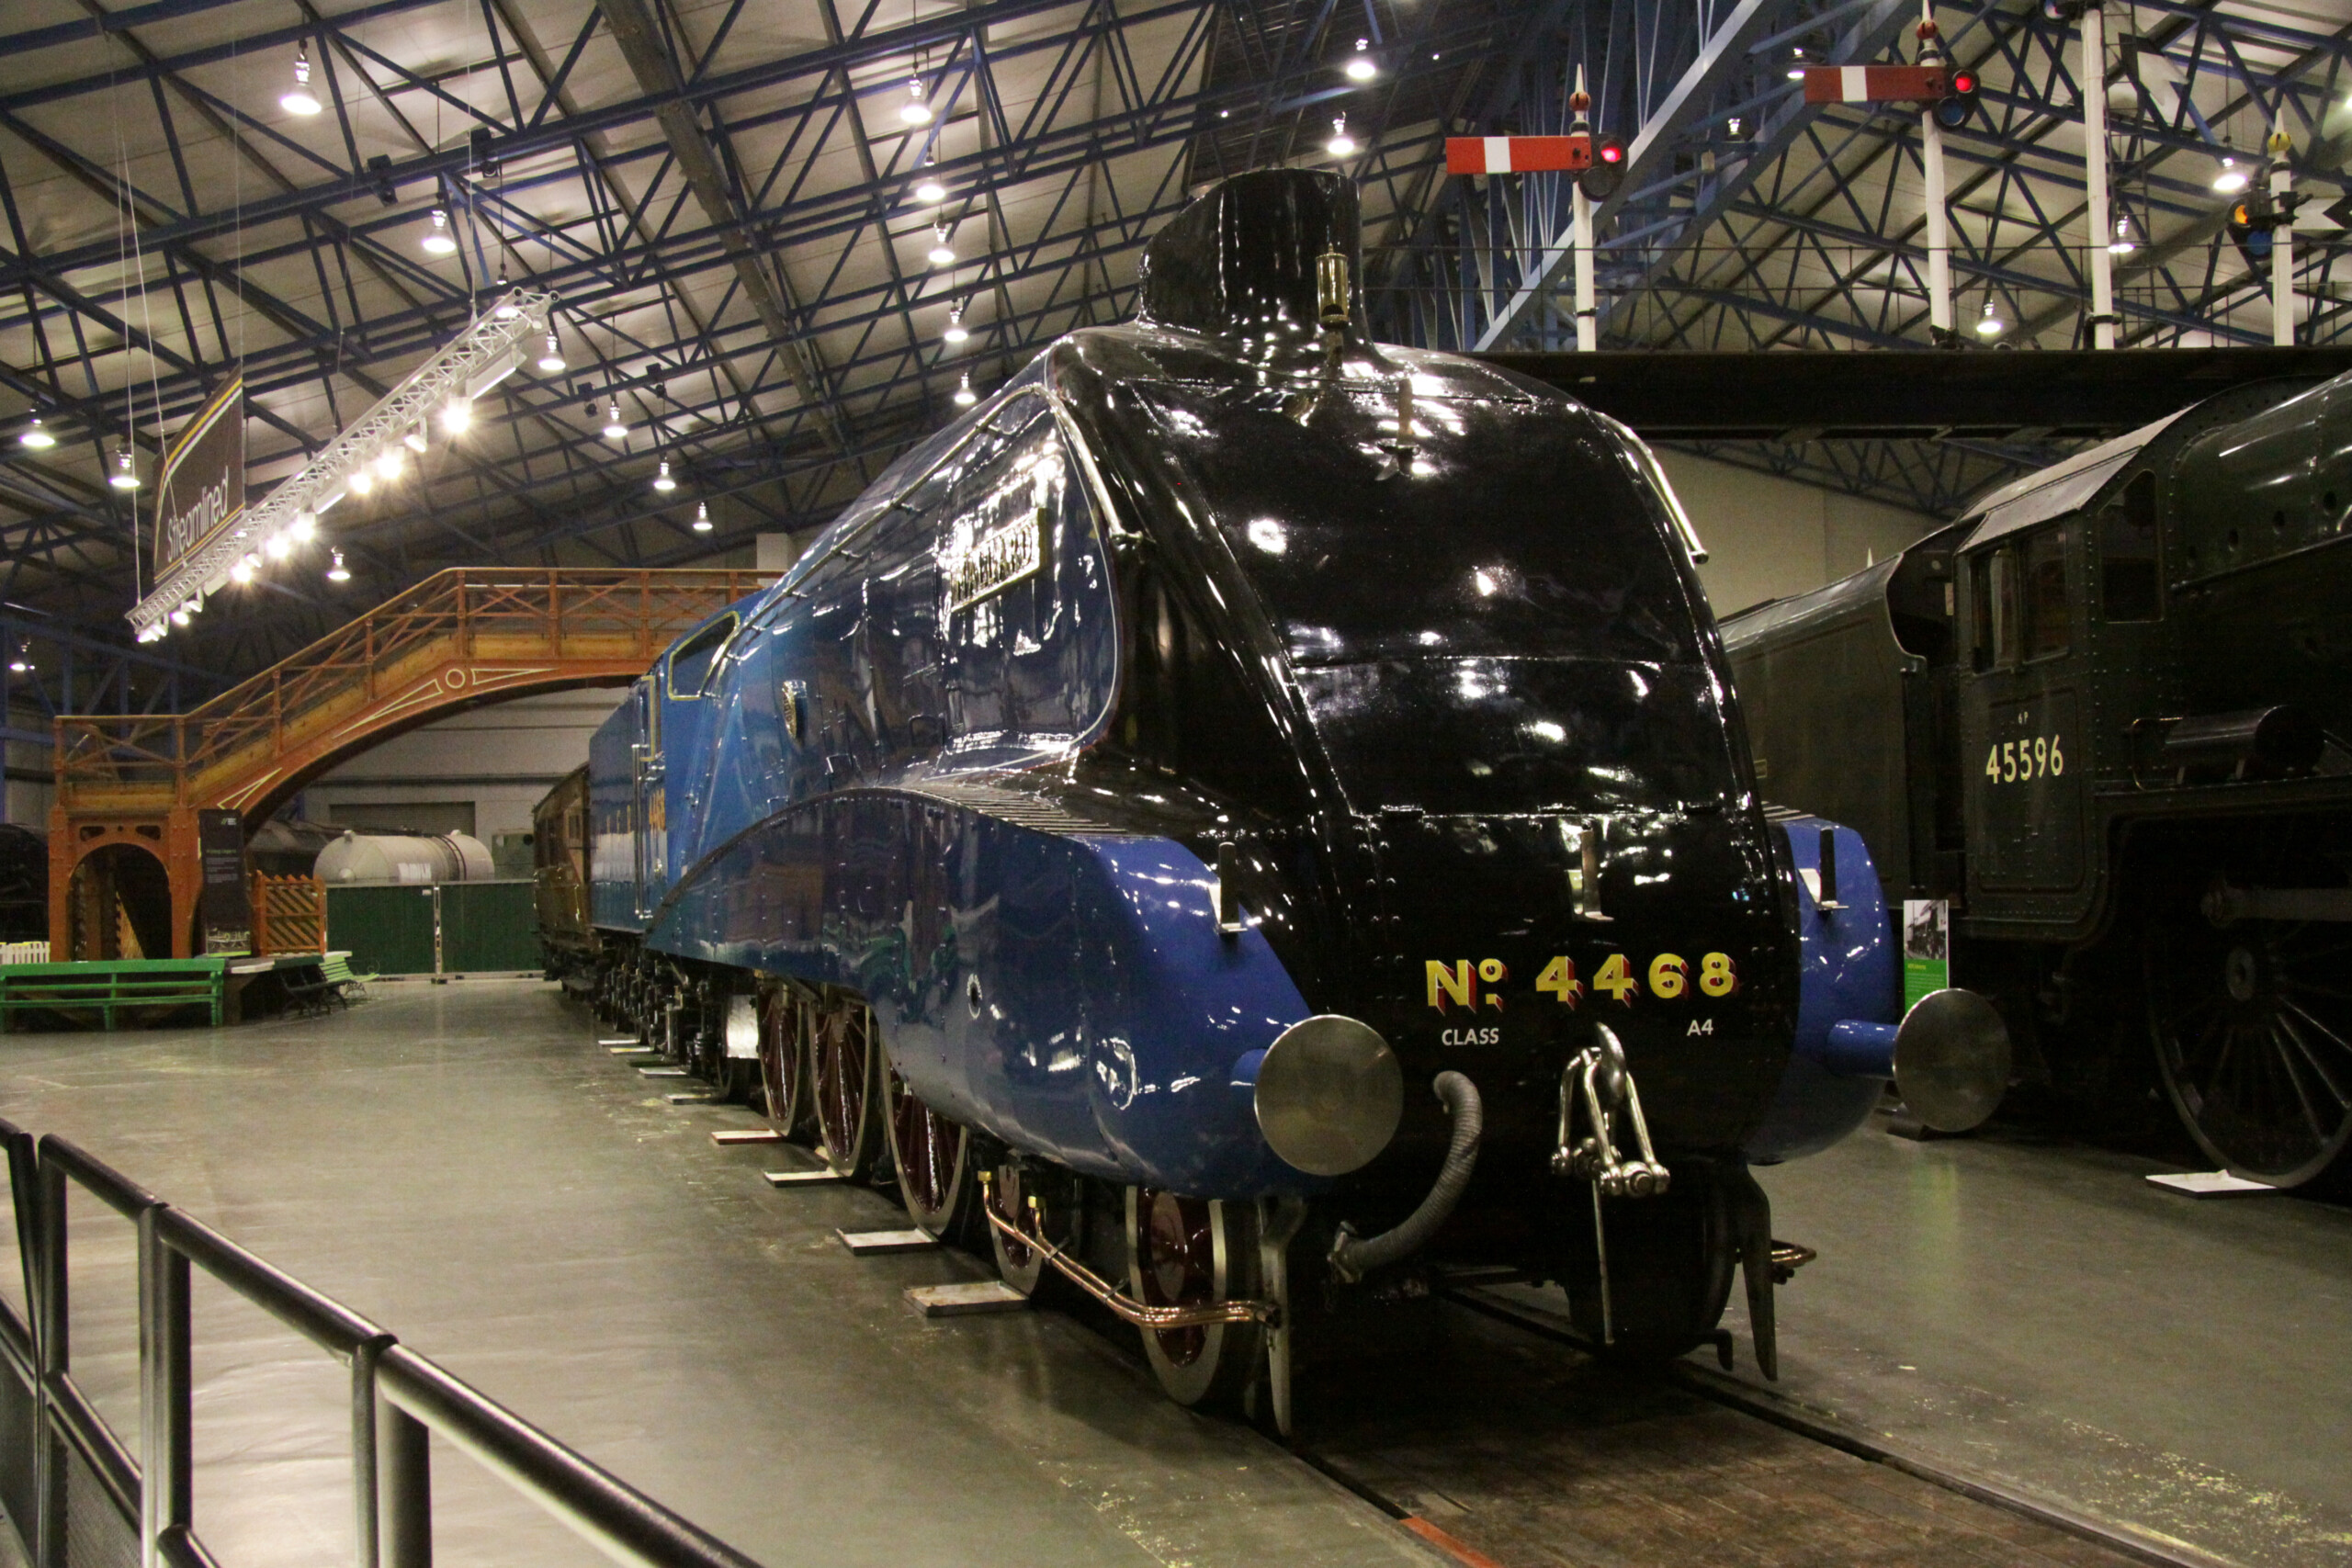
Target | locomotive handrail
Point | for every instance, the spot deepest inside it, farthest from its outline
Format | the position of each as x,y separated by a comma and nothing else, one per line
1123,1306
397,1398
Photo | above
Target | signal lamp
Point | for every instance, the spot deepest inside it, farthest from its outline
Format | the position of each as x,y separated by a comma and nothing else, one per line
36,436
126,472
703,524
299,98
338,572
1607,172
1958,105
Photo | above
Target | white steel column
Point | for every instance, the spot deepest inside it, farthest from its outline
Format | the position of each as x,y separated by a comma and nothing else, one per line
1932,160
1587,322
2283,244
2091,77
1931,151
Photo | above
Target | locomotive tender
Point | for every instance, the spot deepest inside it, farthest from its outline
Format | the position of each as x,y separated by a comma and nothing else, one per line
1244,818
2104,715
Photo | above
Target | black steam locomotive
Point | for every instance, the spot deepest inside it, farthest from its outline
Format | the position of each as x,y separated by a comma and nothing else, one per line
2104,717
1242,820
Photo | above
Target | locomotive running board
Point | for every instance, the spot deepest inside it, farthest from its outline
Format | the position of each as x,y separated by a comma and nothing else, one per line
1122,1305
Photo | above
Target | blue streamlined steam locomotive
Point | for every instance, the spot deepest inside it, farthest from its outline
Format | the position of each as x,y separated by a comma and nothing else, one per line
1249,820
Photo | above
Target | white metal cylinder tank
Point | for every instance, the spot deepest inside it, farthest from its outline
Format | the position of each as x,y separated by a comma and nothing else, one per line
398,858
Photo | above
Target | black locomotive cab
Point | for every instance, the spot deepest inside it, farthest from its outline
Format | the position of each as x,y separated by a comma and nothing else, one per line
2134,751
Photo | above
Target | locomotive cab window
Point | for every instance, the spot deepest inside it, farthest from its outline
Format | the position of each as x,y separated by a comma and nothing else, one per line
692,661
2019,604
2130,568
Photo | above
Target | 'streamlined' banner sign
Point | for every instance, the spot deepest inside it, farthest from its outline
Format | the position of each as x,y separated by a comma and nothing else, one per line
203,486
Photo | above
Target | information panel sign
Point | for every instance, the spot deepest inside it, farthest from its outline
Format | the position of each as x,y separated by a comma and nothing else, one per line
202,489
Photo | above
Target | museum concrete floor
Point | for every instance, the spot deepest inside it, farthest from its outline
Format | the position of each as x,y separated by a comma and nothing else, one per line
465,1165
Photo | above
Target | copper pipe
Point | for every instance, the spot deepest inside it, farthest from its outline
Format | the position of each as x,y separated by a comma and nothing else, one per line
1124,1306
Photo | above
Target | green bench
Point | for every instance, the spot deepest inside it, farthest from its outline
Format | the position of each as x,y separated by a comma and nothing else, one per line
335,986
106,985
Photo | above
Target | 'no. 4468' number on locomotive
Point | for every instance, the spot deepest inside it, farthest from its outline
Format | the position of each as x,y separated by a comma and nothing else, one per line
2014,761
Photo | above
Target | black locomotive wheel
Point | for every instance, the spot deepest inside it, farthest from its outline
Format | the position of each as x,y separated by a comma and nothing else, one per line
932,1158
1671,1265
847,1077
1195,1252
2253,1029
784,1067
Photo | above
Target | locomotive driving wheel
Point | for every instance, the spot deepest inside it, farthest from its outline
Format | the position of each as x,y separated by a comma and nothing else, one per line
933,1157
1039,1202
783,1068
1195,1252
846,1076
2253,1029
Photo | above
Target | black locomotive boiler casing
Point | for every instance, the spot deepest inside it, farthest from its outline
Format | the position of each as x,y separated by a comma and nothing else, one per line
1222,684
2105,715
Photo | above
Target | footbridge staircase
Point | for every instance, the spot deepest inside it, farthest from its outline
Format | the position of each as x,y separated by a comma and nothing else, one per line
459,639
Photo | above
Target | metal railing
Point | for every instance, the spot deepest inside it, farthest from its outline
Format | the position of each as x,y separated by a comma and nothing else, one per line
620,617
56,1449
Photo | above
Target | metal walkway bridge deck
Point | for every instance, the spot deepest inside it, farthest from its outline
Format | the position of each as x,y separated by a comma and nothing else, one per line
459,639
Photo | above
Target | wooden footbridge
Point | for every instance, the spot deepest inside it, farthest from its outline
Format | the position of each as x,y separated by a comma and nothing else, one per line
459,639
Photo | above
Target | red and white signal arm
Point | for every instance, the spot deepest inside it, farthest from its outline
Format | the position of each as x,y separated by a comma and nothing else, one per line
1878,84
1516,154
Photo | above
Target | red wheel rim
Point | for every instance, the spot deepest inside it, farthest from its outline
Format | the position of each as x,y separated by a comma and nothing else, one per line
776,1059
842,1045
927,1146
1176,1255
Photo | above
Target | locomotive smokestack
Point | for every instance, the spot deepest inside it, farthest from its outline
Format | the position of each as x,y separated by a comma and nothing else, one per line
1273,253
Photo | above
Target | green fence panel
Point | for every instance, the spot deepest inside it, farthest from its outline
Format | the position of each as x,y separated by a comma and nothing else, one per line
388,931
488,926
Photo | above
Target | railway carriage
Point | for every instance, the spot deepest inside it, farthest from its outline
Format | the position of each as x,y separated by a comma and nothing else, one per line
2103,717
1247,820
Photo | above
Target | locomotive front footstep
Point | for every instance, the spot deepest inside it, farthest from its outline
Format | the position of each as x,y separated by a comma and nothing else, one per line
1242,820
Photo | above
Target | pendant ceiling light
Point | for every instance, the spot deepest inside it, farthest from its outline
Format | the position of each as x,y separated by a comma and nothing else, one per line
299,98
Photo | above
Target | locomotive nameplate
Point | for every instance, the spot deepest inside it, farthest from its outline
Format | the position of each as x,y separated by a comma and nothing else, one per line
993,559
